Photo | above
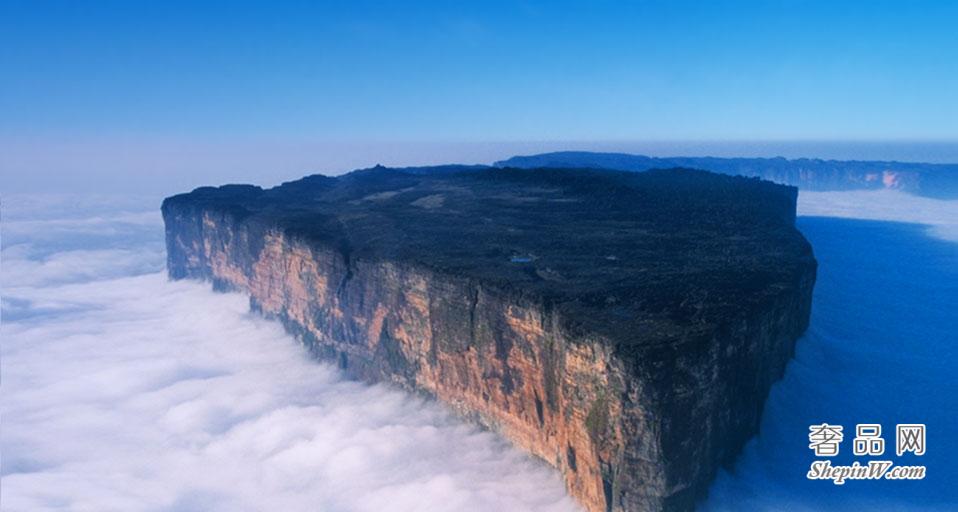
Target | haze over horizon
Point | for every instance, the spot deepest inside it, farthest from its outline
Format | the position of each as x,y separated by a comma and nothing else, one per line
167,96
162,168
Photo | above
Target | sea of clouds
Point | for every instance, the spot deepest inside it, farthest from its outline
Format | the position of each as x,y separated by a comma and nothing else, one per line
123,391
939,216
880,348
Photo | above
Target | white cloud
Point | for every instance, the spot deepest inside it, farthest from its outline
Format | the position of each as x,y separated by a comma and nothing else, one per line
124,391
940,216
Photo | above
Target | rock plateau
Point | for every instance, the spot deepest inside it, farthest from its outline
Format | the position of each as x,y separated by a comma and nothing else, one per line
624,327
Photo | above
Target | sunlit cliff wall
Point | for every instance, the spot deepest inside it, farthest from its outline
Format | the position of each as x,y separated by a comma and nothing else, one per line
647,433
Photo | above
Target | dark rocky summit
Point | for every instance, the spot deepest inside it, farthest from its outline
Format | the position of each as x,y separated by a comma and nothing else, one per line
931,180
624,327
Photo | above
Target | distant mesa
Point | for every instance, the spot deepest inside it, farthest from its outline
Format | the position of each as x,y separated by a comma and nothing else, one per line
930,180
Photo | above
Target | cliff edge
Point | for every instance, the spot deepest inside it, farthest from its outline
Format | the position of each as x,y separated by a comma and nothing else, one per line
624,327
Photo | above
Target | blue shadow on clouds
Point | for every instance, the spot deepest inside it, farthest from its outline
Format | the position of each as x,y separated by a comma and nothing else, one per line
881,348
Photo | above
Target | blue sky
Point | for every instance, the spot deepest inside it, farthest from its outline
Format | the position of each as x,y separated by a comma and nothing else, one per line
136,74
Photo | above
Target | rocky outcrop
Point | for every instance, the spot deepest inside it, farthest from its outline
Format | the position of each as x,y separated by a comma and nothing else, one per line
624,328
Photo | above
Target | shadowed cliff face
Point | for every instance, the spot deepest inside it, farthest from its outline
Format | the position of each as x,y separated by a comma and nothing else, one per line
624,327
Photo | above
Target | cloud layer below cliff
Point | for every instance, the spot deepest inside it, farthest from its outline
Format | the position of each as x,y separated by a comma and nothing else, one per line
940,216
123,391
880,349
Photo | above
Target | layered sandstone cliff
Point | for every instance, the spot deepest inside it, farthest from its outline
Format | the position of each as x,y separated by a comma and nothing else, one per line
625,328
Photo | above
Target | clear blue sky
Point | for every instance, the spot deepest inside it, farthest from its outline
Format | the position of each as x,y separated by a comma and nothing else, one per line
136,74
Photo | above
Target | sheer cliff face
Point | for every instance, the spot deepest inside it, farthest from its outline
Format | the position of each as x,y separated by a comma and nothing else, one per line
636,397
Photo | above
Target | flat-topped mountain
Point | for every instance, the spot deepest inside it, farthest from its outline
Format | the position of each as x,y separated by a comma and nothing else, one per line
625,327
932,180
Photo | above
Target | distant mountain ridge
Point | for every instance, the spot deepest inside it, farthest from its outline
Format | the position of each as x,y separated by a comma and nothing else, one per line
930,180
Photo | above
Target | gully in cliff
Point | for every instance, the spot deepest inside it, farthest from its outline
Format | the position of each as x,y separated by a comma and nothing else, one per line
624,327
